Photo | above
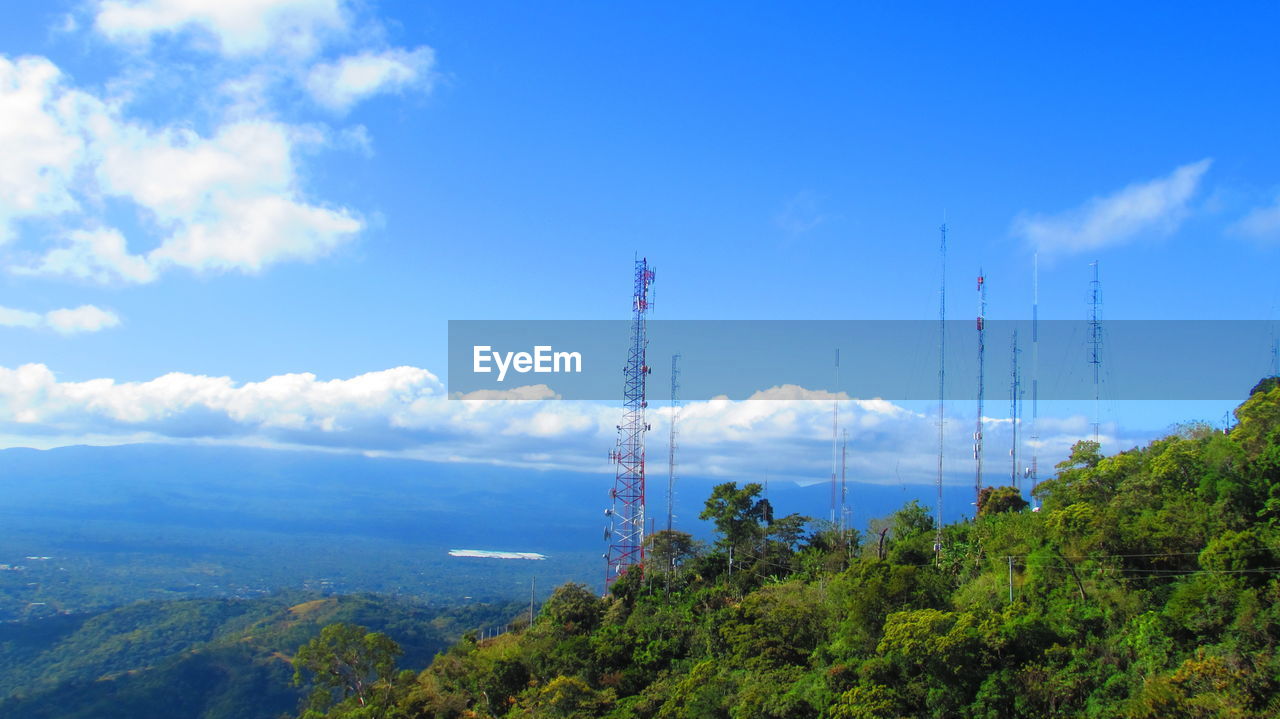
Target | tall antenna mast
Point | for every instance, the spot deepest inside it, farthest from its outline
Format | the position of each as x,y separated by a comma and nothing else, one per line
1034,473
1275,357
1015,382
835,415
671,445
626,516
942,377
844,487
982,348
1095,345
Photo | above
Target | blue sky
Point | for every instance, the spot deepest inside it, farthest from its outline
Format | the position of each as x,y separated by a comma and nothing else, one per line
505,161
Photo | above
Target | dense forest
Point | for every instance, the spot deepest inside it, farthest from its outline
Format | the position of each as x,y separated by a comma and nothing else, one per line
1142,584
207,658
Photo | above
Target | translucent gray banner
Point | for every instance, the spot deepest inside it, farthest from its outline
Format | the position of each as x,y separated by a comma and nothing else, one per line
887,359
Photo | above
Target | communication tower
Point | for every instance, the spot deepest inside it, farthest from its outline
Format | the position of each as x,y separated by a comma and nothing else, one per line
626,515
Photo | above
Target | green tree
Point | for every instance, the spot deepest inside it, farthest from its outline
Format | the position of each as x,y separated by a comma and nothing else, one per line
571,609
994,500
668,549
351,668
563,698
739,515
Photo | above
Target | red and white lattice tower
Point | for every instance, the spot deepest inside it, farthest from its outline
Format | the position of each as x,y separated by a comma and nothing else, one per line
626,516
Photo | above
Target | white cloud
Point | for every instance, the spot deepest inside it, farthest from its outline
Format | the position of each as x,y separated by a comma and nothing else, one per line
793,391
405,412
100,255
85,318
1156,206
39,146
1263,223
340,85
227,201
232,27
529,391
225,197
10,317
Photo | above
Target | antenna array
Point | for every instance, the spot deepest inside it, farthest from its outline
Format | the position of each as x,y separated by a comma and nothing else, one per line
626,516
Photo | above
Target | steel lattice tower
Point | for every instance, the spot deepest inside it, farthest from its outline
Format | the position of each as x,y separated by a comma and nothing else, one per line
626,526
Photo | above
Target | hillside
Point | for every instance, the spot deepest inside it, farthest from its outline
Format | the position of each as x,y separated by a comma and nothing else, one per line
1144,586
199,658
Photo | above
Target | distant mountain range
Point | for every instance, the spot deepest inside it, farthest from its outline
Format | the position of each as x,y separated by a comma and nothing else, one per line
159,521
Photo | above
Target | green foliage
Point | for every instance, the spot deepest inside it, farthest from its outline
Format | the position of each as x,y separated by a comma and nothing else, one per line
668,550
563,698
737,513
571,609
1146,586
347,665
777,626
214,659
994,500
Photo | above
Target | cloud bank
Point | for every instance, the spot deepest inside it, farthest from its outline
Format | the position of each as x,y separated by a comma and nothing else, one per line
405,412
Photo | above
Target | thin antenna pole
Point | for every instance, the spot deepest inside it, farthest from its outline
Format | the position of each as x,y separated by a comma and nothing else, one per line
1275,357
671,445
1014,391
977,433
844,487
942,377
835,415
1035,373
1095,346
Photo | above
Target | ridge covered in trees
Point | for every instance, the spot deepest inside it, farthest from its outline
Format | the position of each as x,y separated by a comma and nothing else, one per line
207,658
1143,585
